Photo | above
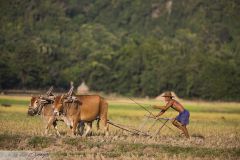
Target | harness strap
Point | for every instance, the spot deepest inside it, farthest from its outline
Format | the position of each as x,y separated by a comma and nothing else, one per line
40,107
65,109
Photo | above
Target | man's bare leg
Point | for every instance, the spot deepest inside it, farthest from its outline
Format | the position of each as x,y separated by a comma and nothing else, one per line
181,127
178,125
185,131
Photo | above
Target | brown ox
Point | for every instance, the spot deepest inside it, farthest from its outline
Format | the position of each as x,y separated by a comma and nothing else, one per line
82,108
40,105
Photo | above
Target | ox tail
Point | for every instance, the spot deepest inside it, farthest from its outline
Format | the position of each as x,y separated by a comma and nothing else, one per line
104,114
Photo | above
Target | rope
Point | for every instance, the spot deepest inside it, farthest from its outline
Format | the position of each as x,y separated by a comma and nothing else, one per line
141,106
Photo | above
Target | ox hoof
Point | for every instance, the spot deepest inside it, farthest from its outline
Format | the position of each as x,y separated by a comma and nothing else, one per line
58,134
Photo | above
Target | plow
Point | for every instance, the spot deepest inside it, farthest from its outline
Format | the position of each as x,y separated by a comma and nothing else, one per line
143,130
129,129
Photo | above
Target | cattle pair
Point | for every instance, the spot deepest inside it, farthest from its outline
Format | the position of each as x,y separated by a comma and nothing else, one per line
73,110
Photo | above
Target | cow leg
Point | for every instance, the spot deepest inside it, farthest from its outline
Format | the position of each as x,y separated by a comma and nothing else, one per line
56,129
67,121
89,127
49,124
103,116
90,124
106,128
105,124
81,126
98,126
74,127
46,130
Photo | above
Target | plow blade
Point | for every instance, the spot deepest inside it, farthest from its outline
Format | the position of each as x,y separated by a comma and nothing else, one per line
128,129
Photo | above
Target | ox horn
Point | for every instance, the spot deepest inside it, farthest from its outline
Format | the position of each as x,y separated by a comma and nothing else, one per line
70,92
49,91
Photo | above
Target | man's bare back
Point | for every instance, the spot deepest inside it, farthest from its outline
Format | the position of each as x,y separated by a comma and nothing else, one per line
176,105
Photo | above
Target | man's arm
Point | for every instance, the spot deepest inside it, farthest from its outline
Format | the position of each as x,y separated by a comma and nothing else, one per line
160,113
159,107
163,108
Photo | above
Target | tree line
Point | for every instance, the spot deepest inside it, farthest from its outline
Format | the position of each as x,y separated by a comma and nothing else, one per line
130,47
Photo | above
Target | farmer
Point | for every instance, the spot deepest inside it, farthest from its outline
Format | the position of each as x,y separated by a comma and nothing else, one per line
182,119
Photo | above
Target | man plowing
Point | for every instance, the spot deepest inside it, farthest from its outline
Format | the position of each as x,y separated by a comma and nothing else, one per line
182,120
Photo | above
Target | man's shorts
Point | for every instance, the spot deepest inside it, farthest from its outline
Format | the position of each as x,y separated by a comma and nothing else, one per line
183,117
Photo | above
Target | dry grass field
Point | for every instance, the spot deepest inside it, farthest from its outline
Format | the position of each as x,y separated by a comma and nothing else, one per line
214,129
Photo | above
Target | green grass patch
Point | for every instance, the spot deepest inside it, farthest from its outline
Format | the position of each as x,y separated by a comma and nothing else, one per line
124,148
90,144
200,152
14,102
9,141
71,141
40,142
128,149
132,108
